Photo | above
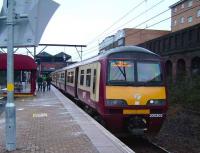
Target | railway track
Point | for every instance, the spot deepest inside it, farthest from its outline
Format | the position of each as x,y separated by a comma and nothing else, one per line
192,112
143,145
161,148
137,144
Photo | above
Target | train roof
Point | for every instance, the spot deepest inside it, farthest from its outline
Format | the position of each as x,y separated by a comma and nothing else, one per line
21,62
135,49
128,49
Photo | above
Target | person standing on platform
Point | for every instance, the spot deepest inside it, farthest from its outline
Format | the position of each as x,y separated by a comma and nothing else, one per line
48,79
39,81
44,83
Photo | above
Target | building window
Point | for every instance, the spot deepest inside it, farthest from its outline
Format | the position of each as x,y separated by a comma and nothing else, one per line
182,19
82,77
190,19
175,22
190,3
198,13
175,10
120,42
88,77
182,6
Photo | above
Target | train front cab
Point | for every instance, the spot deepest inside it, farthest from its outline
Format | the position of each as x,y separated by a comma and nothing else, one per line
135,96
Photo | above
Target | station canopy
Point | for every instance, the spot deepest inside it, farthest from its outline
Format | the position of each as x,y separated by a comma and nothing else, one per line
21,62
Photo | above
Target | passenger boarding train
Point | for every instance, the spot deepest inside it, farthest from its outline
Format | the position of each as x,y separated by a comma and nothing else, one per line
124,87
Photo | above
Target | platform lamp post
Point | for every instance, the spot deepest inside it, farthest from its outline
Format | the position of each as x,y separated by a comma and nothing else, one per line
10,105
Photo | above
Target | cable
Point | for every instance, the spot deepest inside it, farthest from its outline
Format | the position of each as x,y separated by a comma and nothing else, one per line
156,22
130,20
148,21
90,48
151,18
138,16
126,14
162,21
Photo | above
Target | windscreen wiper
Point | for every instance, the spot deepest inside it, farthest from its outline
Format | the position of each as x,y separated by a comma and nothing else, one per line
123,72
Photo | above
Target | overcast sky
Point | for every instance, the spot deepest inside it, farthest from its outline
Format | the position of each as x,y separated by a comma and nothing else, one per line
86,22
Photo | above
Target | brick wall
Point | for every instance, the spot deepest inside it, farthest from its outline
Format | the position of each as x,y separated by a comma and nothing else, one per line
138,36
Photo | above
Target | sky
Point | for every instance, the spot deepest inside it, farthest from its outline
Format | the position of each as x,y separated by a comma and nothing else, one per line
88,22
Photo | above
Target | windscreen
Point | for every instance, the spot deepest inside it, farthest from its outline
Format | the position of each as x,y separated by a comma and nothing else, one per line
148,72
122,72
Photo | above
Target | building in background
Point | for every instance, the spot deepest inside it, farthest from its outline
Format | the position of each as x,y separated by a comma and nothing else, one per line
48,63
130,36
185,13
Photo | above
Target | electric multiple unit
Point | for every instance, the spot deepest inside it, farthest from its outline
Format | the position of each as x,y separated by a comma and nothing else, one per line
124,88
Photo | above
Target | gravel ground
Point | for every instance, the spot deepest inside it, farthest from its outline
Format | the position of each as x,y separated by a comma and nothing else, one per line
181,131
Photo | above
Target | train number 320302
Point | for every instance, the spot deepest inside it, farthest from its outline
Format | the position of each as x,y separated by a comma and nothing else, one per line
156,115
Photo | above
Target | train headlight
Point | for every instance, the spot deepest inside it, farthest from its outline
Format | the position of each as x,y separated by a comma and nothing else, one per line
156,102
115,102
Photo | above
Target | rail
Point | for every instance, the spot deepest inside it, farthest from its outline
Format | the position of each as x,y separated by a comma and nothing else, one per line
159,147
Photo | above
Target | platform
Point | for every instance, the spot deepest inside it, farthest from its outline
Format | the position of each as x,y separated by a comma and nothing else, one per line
51,123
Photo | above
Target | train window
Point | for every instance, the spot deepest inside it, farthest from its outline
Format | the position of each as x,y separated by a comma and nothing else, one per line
88,77
94,81
121,71
70,77
149,72
62,76
82,77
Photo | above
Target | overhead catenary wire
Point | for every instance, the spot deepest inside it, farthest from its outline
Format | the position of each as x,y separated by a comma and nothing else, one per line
157,22
131,34
91,48
117,21
149,9
126,22
144,12
144,22
131,19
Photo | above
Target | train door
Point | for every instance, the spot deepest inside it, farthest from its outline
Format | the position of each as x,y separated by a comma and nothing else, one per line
65,83
95,78
76,81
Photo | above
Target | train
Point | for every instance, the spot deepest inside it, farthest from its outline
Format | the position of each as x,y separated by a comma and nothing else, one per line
25,72
124,88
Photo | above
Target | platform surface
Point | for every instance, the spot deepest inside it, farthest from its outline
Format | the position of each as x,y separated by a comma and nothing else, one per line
51,123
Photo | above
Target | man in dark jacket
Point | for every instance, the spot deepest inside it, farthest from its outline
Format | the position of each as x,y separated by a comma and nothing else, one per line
39,81
48,80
